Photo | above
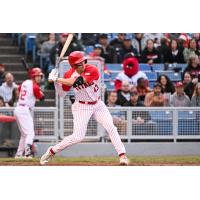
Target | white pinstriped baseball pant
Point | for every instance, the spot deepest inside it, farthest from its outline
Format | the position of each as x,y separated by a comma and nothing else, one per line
81,116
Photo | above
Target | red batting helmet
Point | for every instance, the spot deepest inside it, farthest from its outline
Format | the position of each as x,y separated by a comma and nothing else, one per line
36,72
76,57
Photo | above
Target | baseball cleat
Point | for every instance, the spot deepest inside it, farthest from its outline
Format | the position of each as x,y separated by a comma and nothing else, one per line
18,157
123,161
46,157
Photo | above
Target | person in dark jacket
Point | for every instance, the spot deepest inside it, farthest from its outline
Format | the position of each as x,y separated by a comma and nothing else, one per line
139,117
127,48
150,54
174,54
56,50
108,52
2,73
123,95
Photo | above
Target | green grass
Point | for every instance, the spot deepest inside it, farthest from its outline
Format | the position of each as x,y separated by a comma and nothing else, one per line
135,160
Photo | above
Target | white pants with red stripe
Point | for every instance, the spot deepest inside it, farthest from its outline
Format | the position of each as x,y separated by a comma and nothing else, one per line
25,124
81,116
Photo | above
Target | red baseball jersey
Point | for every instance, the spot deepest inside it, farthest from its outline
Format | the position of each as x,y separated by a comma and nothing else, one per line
89,91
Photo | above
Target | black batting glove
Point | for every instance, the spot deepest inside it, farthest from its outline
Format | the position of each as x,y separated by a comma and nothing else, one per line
79,81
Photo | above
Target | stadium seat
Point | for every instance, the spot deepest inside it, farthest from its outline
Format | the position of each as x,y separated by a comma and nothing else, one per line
88,49
182,66
145,67
151,84
152,76
30,45
158,67
114,67
172,75
109,85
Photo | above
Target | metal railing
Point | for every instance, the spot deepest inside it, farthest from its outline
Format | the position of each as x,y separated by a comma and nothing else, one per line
45,122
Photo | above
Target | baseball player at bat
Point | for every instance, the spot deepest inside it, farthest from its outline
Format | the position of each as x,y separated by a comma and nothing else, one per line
29,92
84,78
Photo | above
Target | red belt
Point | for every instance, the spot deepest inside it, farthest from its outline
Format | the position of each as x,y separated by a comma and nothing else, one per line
86,102
90,102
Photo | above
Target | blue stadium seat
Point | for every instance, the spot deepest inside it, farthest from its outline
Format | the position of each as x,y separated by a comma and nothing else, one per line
109,85
152,76
88,49
30,45
172,75
183,66
145,67
114,67
151,84
158,67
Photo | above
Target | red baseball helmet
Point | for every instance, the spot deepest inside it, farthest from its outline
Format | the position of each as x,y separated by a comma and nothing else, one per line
76,57
36,72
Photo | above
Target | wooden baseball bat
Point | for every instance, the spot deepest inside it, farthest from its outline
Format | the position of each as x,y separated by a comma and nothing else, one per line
64,49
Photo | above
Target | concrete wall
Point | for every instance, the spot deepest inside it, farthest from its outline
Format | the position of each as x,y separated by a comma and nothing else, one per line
133,149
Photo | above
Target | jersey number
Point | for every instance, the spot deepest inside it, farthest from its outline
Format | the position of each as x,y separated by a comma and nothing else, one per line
23,94
96,88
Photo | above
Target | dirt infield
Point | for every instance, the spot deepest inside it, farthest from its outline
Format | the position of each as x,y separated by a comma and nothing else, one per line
108,161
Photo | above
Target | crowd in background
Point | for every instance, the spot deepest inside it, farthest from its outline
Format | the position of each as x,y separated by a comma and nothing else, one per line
148,48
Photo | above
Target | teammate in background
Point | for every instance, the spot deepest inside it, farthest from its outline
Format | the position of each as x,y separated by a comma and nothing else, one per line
29,92
84,78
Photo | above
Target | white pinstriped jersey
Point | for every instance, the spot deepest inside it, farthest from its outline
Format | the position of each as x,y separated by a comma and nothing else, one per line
89,91
29,92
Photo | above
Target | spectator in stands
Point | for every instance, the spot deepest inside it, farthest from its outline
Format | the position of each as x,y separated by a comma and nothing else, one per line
89,39
2,103
123,95
193,66
118,117
2,73
179,98
150,54
56,50
155,37
108,53
7,87
142,88
196,36
163,48
130,72
134,100
155,98
49,44
189,84
139,43
40,39
15,97
195,101
174,54
117,43
97,53
127,48
139,117
166,83
192,49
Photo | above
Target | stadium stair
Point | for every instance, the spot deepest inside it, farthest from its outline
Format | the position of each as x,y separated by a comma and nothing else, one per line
10,56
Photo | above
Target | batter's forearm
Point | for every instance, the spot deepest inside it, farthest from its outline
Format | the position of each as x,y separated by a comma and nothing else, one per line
66,81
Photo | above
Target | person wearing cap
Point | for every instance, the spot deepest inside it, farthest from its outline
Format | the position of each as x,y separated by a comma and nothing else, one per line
108,52
139,117
150,54
127,48
117,43
179,98
2,73
155,98
56,50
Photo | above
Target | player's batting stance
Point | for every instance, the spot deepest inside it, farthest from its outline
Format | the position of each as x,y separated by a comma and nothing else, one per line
29,92
83,78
